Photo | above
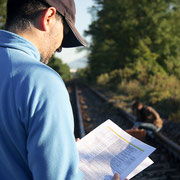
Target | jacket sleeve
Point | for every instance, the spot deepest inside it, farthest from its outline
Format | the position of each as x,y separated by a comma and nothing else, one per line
51,148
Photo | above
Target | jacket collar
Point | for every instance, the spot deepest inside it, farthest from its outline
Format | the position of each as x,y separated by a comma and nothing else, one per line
12,40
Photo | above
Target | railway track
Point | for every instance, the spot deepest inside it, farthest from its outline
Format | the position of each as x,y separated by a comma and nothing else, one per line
94,108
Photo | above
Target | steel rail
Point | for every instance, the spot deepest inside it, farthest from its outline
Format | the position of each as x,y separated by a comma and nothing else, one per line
171,146
80,132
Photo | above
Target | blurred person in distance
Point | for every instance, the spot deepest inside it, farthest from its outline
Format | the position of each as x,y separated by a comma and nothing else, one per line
146,117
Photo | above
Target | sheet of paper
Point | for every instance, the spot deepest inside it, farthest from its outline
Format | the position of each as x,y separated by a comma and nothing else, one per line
147,162
109,149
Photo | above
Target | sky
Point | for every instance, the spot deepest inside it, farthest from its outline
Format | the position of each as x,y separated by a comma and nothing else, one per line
83,20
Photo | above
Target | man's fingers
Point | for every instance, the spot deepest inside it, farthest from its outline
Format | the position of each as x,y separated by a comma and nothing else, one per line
77,139
116,177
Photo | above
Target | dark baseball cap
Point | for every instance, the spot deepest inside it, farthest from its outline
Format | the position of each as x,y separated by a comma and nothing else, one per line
68,10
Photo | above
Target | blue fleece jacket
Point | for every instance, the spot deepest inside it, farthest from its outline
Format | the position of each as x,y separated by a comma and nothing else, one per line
36,121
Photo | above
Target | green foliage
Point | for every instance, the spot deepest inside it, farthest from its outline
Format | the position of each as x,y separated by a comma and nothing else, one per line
103,79
2,12
62,69
83,74
135,50
162,92
163,87
127,33
170,108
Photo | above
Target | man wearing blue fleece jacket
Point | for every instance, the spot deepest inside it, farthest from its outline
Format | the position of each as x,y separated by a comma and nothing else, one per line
36,121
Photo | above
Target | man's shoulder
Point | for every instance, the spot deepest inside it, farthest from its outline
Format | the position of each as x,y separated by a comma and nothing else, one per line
41,74
27,66
150,110
35,74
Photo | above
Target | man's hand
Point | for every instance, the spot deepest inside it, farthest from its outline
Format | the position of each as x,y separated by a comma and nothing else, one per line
116,177
77,139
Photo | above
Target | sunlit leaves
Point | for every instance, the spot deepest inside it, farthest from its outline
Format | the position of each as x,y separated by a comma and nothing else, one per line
2,12
127,32
61,68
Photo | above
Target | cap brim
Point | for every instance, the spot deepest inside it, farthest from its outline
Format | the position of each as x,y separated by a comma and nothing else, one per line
73,38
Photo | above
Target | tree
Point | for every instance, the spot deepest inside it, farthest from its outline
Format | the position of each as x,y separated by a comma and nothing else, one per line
129,33
2,12
62,69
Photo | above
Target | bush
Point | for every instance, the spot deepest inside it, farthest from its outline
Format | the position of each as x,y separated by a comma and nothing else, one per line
157,88
103,79
131,88
162,87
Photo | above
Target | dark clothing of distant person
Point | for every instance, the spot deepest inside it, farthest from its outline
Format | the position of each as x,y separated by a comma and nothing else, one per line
149,115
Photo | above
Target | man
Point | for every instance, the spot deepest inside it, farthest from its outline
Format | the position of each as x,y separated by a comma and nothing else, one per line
147,117
36,121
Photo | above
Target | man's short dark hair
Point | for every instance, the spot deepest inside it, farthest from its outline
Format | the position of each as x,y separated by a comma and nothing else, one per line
22,13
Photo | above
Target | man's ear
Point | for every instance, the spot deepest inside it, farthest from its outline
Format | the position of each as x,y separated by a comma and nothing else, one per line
48,19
